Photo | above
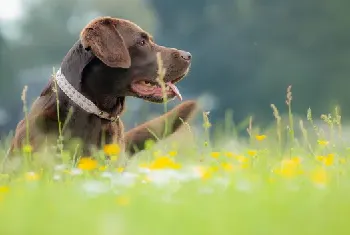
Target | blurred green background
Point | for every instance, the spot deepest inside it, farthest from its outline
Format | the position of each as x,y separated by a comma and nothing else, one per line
245,52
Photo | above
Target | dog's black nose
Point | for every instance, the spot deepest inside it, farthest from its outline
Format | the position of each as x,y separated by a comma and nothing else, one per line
185,55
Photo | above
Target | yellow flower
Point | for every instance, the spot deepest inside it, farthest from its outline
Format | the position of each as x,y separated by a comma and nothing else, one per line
326,160
27,148
244,165
102,168
31,176
114,158
252,153
111,149
227,166
123,200
4,189
120,169
87,164
205,172
288,168
164,163
241,159
172,153
319,176
320,158
215,154
297,160
323,142
229,154
260,137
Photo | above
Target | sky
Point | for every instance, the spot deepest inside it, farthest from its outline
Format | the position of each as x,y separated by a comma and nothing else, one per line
10,9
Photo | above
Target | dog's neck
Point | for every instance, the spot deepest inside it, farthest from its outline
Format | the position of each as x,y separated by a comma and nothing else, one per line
73,66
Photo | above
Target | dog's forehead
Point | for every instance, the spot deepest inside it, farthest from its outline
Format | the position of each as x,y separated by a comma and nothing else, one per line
130,31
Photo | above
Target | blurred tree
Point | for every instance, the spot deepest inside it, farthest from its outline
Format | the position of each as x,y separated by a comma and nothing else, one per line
247,52
49,27
9,90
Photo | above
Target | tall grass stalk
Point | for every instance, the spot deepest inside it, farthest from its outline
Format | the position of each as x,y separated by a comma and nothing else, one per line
27,149
60,135
160,80
290,116
278,124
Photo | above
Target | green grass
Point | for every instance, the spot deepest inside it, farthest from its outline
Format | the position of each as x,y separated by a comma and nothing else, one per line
294,181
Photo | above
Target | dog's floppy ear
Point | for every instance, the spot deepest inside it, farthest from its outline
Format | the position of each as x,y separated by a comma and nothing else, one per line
102,37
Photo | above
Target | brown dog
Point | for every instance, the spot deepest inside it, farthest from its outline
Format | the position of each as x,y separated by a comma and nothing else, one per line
113,59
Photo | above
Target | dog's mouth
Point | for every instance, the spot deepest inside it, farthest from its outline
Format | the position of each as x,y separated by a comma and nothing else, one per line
153,91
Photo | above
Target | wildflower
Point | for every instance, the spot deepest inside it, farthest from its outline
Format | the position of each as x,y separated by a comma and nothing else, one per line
296,160
326,160
113,158
123,200
320,158
164,163
227,166
27,148
4,189
319,176
289,168
172,153
111,149
323,142
31,176
215,154
252,153
244,165
102,168
120,169
260,137
204,172
229,154
241,159
87,164
214,168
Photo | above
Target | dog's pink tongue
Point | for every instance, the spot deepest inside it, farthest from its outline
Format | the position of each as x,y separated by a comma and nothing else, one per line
175,90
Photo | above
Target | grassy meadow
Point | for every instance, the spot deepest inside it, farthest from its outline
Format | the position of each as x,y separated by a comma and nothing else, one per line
292,178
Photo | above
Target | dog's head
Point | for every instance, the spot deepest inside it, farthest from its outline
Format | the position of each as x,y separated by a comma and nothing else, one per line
125,61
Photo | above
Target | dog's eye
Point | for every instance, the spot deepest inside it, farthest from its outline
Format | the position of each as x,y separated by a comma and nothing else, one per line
142,42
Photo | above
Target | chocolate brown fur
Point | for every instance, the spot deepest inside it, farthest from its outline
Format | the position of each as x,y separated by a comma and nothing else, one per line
110,56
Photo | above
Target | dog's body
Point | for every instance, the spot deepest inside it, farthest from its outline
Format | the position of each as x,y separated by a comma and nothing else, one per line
113,59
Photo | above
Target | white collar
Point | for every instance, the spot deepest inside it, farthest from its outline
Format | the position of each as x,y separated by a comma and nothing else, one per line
81,100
